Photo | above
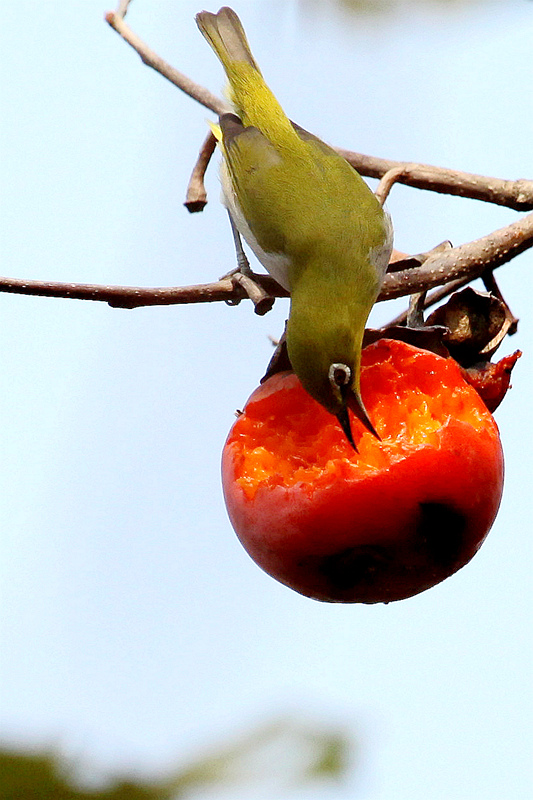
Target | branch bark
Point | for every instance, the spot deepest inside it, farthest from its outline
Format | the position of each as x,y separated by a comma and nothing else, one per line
199,93
452,267
517,194
466,261
130,296
459,264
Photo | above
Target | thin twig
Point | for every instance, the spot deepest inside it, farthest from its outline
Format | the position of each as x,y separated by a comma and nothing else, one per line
196,197
408,262
262,300
386,183
151,59
122,9
453,267
132,296
415,312
489,281
432,299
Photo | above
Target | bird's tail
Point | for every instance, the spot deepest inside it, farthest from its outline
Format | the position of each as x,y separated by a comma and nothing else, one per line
226,36
251,98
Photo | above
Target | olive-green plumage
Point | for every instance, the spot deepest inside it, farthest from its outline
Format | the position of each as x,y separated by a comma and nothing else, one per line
310,219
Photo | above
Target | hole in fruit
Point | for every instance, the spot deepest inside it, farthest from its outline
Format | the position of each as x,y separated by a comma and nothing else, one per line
441,529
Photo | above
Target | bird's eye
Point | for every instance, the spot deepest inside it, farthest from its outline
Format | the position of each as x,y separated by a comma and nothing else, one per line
339,375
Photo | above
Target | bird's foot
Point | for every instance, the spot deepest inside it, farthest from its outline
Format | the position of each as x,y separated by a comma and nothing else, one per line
243,277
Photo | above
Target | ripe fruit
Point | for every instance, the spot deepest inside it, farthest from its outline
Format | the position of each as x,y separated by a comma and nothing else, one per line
382,524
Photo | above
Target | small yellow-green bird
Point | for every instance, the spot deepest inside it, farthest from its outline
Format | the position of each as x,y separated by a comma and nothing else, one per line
309,218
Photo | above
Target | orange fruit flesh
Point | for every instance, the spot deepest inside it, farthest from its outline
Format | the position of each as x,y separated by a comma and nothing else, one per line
286,438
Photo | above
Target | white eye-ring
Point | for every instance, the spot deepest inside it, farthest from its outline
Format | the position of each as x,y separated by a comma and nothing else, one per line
339,375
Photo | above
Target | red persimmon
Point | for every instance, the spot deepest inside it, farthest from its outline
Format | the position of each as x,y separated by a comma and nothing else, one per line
380,524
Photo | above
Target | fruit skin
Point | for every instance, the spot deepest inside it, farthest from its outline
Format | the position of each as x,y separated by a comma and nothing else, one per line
371,535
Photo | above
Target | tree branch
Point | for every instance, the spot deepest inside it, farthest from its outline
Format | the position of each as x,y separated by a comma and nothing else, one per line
517,195
203,96
458,264
466,261
432,299
132,296
448,267
196,197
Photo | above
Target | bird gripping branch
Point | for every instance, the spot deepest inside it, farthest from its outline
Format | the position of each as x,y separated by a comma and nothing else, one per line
309,218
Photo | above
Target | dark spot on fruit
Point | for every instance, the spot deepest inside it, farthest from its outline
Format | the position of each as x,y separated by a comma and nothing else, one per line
352,567
441,530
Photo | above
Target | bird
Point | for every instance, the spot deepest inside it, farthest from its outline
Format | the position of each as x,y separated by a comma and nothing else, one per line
310,219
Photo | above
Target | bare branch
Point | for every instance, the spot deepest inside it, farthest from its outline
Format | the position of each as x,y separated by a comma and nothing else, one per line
196,197
122,9
469,260
151,59
432,299
458,264
260,297
453,267
512,194
517,195
491,286
386,183
132,296
408,262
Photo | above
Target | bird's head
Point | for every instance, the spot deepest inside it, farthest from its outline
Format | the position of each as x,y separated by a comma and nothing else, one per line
345,388
327,361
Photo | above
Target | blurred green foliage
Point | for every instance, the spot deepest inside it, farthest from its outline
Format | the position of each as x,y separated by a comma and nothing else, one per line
300,752
375,7
28,776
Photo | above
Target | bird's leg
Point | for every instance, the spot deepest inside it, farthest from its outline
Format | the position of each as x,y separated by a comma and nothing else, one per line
243,276
243,265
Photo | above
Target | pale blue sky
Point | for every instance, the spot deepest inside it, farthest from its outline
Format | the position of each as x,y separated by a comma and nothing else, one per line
135,629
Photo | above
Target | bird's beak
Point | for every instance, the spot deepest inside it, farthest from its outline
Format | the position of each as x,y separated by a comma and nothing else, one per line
351,399
344,421
356,405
